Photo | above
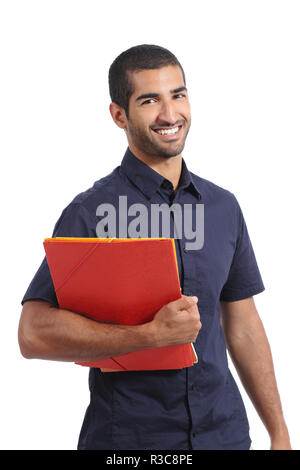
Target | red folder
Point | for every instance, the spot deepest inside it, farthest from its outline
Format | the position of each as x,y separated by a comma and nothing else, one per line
122,281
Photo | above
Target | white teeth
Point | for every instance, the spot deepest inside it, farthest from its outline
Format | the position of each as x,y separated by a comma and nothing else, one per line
167,131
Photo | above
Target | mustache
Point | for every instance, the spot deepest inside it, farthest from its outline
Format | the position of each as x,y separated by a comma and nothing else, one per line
167,125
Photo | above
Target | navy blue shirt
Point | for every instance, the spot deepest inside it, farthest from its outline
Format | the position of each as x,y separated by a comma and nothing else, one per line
199,407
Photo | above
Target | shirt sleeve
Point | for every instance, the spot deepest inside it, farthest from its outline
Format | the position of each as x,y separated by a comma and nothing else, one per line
244,279
75,221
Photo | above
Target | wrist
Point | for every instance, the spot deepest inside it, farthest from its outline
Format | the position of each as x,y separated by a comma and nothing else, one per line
148,335
281,443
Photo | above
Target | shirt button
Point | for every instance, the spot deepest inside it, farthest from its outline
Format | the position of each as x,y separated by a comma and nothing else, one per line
193,387
167,185
194,434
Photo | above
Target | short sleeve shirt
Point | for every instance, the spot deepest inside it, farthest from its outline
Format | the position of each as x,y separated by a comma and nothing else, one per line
198,407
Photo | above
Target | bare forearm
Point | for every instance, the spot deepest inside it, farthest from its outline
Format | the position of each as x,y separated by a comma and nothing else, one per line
62,335
251,355
46,332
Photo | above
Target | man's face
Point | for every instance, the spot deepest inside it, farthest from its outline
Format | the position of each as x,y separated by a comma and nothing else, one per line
159,112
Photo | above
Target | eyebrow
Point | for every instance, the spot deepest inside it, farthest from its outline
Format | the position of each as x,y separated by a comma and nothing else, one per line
155,95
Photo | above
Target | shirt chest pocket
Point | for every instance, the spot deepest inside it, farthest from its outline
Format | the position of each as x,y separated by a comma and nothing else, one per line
211,268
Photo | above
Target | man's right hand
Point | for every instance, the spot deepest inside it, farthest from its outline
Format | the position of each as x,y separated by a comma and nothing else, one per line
177,322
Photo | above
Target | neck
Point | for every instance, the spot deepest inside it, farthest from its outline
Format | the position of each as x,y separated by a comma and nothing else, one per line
169,168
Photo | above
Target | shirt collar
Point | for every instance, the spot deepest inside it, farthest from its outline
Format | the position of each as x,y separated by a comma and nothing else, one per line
149,181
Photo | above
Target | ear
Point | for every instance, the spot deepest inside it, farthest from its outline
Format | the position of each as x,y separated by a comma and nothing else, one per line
118,114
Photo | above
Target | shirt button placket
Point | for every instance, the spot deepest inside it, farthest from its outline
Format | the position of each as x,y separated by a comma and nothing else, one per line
189,267
192,399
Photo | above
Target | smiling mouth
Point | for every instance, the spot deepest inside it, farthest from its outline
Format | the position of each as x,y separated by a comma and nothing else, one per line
168,131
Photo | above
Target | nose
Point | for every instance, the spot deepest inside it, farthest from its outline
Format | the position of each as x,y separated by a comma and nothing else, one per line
167,113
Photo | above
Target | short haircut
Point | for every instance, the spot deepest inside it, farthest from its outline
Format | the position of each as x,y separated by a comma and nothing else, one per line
142,57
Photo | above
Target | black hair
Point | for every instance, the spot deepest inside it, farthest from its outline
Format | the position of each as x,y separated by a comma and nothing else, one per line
142,57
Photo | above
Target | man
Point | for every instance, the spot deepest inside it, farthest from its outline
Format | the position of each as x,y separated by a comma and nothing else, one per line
193,408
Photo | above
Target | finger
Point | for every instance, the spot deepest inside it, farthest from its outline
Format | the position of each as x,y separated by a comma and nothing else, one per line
186,301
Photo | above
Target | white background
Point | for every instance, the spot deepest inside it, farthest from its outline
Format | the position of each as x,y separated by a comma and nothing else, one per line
241,60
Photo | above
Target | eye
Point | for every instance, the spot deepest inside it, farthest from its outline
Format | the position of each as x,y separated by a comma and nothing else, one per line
180,95
149,101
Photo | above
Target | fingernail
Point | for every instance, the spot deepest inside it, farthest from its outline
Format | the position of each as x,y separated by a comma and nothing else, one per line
195,298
